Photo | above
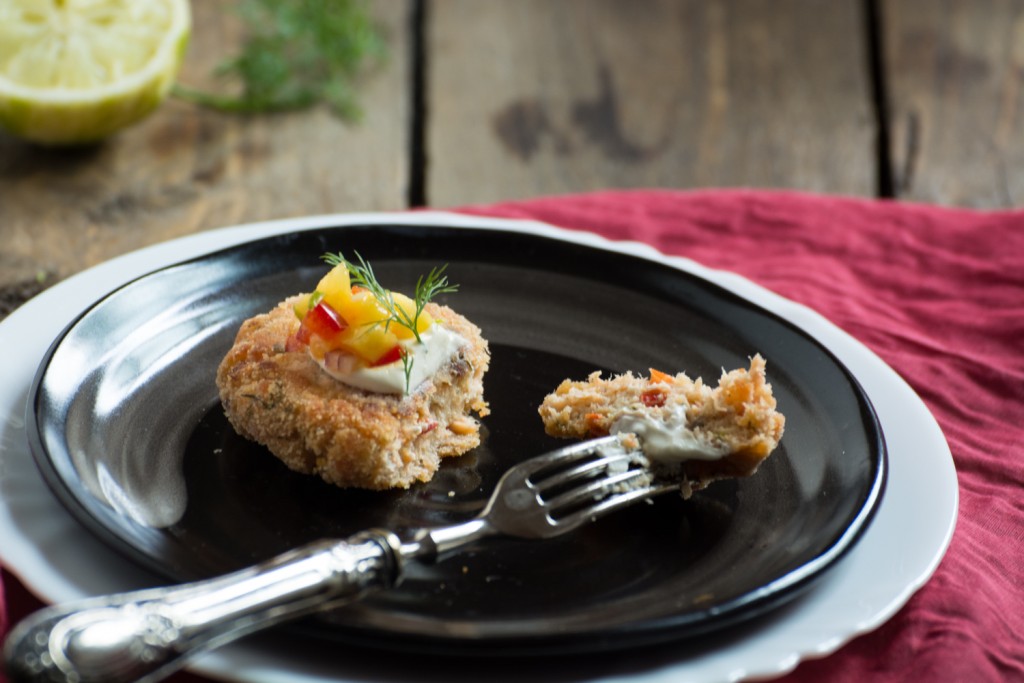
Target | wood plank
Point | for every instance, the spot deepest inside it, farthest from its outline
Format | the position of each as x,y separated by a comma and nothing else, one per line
538,97
187,169
955,69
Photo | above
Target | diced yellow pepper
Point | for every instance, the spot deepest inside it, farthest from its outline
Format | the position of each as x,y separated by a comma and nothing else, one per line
336,288
370,343
301,307
305,304
409,306
362,309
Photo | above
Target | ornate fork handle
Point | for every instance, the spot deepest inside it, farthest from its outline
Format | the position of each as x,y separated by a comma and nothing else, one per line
145,635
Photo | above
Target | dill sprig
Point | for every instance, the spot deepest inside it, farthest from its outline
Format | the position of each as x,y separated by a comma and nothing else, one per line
407,361
297,53
434,283
427,287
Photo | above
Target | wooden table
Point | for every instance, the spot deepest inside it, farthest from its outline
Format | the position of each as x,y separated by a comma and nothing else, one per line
485,100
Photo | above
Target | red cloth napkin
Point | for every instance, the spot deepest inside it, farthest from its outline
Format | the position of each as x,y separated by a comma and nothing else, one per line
939,295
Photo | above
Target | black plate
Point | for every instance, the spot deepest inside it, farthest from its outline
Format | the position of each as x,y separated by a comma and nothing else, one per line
126,427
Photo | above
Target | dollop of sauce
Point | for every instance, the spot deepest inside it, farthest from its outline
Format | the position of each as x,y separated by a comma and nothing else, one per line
668,439
438,347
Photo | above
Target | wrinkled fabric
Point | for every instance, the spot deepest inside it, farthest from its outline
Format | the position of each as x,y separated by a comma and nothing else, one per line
938,294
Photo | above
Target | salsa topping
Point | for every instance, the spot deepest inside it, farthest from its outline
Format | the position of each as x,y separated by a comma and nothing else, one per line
350,322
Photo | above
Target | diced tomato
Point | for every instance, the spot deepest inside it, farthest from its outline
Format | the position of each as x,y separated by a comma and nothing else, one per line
653,398
391,356
323,321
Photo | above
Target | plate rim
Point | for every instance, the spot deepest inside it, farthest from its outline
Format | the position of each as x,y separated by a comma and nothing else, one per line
54,584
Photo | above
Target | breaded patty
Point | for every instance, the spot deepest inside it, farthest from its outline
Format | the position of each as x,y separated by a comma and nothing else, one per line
738,416
351,437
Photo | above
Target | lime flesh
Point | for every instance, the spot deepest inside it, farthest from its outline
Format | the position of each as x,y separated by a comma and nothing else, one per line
76,71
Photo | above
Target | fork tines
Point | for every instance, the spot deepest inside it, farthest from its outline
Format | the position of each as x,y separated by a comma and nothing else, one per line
590,480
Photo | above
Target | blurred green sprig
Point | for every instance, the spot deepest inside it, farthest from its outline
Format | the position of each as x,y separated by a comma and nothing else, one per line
297,53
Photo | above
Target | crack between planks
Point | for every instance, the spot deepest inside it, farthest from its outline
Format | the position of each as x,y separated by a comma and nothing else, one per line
874,34
417,189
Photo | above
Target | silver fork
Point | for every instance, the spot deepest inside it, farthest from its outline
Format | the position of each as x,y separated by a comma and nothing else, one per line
147,635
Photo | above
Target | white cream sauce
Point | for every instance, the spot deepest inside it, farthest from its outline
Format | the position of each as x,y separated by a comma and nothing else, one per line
667,440
438,347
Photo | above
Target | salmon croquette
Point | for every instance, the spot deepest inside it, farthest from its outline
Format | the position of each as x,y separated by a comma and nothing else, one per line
319,401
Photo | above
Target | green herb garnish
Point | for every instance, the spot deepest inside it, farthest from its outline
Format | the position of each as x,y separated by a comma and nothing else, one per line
436,282
407,361
298,53
427,287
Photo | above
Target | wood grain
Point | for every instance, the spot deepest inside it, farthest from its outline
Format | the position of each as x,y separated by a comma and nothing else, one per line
542,97
954,70
538,97
187,169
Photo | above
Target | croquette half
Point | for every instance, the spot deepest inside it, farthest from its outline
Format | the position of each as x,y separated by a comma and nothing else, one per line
739,416
318,425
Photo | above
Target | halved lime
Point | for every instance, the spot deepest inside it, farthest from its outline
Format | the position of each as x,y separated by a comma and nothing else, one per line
75,71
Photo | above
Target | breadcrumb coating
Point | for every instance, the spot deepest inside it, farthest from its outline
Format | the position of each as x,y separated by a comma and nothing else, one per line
347,436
